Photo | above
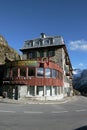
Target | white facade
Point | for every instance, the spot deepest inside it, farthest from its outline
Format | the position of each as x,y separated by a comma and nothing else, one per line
40,93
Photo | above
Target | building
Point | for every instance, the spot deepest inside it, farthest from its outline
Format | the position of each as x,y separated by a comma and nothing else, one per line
44,72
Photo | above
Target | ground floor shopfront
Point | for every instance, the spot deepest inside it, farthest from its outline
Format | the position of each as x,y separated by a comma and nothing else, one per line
34,92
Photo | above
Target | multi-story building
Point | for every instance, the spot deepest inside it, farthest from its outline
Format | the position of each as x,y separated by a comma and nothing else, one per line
44,72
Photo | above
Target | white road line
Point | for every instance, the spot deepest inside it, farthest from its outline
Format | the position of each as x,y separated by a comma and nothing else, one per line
33,112
59,112
7,111
81,110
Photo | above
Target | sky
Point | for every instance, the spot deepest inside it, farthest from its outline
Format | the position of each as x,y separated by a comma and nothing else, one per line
22,20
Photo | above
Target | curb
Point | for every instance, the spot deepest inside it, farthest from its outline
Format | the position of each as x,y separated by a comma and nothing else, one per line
11,101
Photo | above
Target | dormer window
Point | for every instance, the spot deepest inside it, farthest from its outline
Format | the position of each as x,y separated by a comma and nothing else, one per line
46,42
36,43
28,44
31,43
51,41
41,42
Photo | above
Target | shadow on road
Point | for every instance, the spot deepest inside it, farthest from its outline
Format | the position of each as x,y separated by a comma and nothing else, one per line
82,128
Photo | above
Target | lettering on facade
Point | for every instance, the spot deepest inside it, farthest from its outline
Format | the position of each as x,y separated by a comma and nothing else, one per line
23,63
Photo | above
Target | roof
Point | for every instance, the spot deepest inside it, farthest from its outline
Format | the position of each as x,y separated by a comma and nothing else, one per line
43,41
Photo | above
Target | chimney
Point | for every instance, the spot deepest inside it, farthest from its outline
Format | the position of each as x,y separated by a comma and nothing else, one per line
43,35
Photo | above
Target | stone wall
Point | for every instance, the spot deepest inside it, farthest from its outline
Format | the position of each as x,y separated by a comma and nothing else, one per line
58,56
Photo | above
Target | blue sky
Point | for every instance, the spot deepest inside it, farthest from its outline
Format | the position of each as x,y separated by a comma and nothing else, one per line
21,20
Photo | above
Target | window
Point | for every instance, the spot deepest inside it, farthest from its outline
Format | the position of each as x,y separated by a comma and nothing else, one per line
54,90
51,41
48,91
46,42
31,71
41,43
47,73
28,43
51,53
32,55
15,72
36,43
40,90
41,53
37,54
40,72
32,90
31,43
23,72
54,73
7,73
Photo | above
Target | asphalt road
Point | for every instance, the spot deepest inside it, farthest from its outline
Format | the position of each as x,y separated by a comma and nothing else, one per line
67,116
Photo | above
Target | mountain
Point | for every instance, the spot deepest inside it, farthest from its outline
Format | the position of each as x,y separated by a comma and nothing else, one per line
77,72
6,51
80,80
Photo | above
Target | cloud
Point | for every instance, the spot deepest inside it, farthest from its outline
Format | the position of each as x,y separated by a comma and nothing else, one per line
81,64
78,45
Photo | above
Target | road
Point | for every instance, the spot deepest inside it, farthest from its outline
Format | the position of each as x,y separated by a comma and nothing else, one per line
67,116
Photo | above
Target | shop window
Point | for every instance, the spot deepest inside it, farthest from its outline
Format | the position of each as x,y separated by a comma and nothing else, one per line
40,90
48,91
54,90
31,71
40,72
47,72
32,90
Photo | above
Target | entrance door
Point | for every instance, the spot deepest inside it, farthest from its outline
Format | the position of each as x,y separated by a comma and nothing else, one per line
16,93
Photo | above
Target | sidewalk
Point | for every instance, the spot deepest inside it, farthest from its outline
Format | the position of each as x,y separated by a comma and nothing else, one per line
25,101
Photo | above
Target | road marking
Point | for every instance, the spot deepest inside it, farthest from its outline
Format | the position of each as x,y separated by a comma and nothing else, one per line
40,112
33,112
59,112
7,111
80,110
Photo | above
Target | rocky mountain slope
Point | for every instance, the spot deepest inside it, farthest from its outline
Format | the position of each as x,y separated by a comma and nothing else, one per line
6,51
80,80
